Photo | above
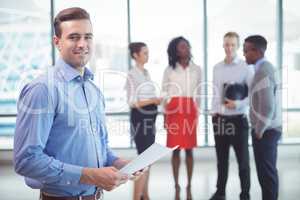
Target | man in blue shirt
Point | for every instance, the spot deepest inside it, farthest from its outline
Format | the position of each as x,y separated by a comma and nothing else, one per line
61,144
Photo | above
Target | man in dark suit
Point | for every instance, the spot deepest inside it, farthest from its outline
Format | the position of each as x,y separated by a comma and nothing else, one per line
264,115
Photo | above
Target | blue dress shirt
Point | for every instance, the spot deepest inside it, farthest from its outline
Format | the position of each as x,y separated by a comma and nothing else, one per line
60,129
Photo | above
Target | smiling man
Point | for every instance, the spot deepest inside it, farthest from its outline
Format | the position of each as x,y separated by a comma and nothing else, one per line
229,116
61,144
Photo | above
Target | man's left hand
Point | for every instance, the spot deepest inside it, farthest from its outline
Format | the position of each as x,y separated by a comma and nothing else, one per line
258,136
138,174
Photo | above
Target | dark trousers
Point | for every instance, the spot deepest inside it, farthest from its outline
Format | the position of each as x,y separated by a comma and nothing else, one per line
265,153
232,130
142,126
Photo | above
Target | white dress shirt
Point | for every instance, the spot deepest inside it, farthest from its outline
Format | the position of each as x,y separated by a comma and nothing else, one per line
236,72
182,82
139,86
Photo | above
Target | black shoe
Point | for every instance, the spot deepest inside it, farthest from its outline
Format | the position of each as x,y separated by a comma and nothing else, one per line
217,196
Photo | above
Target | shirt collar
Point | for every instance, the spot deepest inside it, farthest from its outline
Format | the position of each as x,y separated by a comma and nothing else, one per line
234,61
138,70
258,63
179,66
69,73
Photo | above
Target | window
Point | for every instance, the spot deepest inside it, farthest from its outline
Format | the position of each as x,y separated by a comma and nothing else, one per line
291,69
25,50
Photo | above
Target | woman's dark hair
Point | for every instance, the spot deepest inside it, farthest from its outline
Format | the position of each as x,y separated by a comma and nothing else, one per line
172,50
68,14
135,47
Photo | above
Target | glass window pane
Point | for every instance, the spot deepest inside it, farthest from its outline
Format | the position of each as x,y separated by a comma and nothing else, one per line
25,50
291,128
25,47
291,54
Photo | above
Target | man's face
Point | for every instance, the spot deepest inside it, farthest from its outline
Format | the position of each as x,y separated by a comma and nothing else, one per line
230,45
76,42
251,53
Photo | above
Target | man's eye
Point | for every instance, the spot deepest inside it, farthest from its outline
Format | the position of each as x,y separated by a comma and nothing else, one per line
74,38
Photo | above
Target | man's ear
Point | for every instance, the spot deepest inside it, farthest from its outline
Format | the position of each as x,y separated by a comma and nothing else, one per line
135,55
56,42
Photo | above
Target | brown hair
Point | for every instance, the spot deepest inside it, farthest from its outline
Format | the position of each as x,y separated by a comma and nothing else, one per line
135,47
68,14
233,34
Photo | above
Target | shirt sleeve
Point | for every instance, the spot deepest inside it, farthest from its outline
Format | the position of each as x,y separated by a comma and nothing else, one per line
130,87
110,156
217,93
35,117
249,78
164,88
265,92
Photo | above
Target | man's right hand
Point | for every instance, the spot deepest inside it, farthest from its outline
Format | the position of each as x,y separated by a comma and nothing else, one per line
157,101
107,178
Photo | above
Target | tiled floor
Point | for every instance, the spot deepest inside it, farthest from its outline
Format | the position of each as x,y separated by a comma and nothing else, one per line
12,186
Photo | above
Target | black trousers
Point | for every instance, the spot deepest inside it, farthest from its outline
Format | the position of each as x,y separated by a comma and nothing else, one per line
232,131
265,153
142,126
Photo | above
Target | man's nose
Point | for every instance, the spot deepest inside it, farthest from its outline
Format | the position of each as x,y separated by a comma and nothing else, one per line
82,42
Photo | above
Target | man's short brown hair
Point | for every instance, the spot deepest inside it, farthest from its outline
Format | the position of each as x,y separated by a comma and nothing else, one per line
233,34
68,14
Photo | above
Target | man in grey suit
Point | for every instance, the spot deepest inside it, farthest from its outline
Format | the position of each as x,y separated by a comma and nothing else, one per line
265,115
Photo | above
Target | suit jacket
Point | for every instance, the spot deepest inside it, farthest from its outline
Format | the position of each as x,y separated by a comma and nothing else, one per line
265,102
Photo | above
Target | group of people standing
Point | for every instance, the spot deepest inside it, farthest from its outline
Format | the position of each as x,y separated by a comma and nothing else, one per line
61,141
180,100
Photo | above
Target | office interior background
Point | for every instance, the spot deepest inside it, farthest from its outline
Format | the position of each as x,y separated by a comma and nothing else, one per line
26,50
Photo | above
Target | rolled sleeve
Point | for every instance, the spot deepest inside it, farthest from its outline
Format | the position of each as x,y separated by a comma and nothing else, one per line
111,158
71,174
130,88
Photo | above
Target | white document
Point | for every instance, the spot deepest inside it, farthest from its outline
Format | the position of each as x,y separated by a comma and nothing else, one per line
148,157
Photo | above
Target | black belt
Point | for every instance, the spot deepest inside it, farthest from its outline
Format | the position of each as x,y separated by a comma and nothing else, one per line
97,196
231,116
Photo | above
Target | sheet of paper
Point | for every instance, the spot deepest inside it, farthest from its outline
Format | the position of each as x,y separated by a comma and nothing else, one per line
148,157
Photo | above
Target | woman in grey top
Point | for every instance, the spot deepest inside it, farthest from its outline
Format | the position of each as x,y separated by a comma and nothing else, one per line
143,103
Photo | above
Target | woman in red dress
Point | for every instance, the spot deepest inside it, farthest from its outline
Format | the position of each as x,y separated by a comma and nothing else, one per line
181,89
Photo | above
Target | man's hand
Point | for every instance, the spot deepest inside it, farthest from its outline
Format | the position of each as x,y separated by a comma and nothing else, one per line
120,162
156,101
230,104
138,174
258,136
107,178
